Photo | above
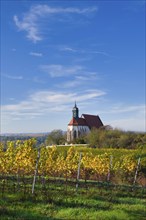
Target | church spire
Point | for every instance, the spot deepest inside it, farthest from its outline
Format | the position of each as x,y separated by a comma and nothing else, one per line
75,111
75,105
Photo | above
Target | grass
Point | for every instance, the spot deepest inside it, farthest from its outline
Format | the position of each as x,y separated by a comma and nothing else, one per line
97,201
58,203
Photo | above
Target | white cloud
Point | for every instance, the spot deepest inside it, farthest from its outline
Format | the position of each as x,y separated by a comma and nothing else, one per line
78,71
79,80
88,76
47,104
29,26
12,77
30,20
64,98
44,102
121,108
36,54
99,52
70,84
69,49
60,70
82,51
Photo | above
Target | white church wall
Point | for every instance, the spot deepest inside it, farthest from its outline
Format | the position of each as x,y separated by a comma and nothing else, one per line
76,131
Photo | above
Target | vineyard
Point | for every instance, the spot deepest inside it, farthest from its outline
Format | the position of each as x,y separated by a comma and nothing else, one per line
117,166
69,177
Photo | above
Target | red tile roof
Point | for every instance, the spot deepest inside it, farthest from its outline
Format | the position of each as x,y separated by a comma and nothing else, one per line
93,121
78,121
87,120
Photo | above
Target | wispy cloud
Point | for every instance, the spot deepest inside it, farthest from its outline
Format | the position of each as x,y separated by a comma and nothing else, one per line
30,20
77,71
82,51
12,77
99,52
69,49
88,76
80,80
121,108
70,84
60,70
85,51
36,54
43,102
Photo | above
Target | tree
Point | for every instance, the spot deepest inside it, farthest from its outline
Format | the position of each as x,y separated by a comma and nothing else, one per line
56,137
93,138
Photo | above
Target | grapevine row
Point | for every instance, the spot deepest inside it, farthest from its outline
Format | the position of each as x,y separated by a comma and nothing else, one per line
20,158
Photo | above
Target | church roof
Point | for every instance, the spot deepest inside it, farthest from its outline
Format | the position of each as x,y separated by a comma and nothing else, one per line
93,121
78,121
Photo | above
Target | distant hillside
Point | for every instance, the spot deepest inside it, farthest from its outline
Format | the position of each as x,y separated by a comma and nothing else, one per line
25,134
40,137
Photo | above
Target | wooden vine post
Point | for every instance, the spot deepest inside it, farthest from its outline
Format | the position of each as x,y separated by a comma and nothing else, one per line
36,170
136,172
78,172
110,168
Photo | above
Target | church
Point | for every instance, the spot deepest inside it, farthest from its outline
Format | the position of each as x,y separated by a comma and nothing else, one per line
79,126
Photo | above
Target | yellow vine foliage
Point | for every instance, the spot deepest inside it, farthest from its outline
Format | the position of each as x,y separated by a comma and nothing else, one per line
20,158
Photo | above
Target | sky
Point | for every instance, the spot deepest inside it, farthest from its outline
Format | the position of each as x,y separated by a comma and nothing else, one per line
54,53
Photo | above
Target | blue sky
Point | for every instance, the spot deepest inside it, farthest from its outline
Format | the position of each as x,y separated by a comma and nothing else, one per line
54,53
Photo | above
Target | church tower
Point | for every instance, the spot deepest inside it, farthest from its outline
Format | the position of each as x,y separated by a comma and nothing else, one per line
75,112
77,126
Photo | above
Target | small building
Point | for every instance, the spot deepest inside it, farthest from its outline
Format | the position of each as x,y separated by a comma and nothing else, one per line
79,126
